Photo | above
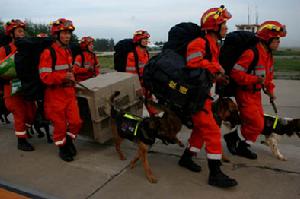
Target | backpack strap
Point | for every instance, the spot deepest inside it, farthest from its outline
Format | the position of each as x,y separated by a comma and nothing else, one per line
208,54
82,59
254,61
53,57
7,49
136,59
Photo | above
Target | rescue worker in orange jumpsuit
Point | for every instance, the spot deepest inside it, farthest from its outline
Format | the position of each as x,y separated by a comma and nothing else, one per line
206,131
90,67
248,95
141,41
60,103
23,111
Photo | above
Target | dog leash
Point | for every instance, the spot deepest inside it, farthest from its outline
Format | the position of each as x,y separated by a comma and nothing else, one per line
274,108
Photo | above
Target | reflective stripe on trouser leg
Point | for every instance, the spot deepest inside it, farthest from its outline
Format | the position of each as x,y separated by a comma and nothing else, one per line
206,126
73,118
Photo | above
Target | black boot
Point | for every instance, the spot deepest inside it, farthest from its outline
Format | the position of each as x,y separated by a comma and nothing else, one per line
187,162
71,146
232,140
217,177
23,145
244,151
65,154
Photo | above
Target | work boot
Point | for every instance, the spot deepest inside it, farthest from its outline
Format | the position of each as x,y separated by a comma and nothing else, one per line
23,145
217,178
187,162
244,151
65,154
71,146
232,140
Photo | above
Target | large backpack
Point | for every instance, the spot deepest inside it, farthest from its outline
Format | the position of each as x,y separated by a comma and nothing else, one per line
234,45
181,35
182,89
122,48
27,60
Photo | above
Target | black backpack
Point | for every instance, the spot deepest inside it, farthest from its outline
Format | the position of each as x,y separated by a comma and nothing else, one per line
122,48
76,50
181,89
181,35
234,45
27,60
4,41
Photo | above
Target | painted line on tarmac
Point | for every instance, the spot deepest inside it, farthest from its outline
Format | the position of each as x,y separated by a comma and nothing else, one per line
13,191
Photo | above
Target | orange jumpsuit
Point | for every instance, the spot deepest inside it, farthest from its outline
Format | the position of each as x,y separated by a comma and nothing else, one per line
90,61
60,104
248,96
205,128
143,57
23,111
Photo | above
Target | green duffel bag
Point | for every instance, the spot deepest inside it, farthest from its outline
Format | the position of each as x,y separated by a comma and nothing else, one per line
7,68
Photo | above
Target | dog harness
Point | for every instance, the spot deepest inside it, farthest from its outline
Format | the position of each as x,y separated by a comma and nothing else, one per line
136,128
275,121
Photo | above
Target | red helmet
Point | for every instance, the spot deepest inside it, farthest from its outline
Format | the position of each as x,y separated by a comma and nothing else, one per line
139,35
271,29
213,17
11,25
60,25
85,41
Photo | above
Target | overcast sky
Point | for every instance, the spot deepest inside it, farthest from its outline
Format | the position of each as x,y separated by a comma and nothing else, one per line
118,19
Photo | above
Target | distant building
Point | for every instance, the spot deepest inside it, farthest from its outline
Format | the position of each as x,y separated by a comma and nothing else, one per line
247,27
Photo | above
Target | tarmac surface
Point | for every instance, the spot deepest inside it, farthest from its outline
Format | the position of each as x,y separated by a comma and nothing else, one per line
98,173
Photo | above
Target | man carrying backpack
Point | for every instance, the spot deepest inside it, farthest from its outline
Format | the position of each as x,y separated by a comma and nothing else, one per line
206,130
86,63
23,111
141,54
60,101
248,92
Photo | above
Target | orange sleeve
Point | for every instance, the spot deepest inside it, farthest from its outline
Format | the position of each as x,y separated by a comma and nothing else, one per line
239,72
2,53
77,68
130,64
269,84
195,57
47,75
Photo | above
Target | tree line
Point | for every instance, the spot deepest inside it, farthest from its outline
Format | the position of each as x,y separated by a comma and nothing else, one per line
32,29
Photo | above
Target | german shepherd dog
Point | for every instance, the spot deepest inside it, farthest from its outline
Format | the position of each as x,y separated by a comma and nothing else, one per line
149,128
226,113
272,133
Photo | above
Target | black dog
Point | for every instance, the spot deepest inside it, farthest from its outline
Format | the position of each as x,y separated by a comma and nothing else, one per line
3,110
285,126
40,123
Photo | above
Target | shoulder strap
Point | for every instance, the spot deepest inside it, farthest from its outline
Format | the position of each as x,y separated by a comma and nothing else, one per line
254,61
82,59
208,54
7,49
53,57
136,59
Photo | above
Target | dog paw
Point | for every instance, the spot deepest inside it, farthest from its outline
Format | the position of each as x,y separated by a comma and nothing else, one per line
152,179
50,141
132,165
282,158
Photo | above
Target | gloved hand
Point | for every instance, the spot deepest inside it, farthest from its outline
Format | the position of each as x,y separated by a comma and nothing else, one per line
222,79
69,78
260,80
